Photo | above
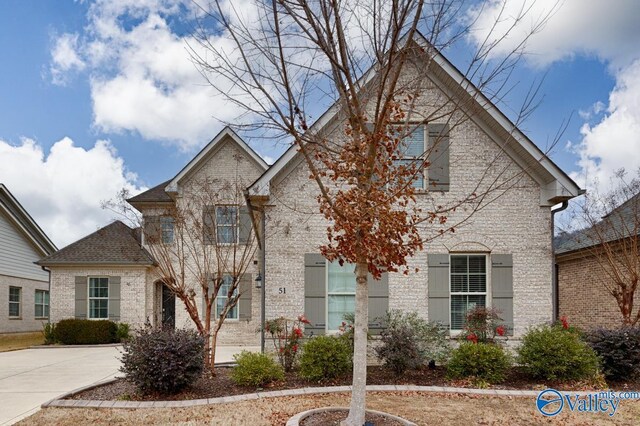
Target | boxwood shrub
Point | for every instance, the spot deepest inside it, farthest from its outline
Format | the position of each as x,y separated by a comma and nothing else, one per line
255,369
555,353
619,351
325,357
486,362
163,360
85,332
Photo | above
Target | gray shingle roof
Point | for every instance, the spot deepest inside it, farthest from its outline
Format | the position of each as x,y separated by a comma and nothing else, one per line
115,244
155,194
618,224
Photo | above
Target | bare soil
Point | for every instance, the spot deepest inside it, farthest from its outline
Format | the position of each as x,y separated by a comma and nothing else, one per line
209,386
333,418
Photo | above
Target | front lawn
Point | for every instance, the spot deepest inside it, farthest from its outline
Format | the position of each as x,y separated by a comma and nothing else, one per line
15,341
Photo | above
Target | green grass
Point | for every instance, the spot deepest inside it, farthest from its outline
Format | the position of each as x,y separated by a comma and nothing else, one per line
15,341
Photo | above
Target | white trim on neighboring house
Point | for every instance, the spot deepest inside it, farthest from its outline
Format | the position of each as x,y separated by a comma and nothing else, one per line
202,155
560,187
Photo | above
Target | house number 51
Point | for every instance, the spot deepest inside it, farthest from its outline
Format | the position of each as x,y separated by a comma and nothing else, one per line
282,290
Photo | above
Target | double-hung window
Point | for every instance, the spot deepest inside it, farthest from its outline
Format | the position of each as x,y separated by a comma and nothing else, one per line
411,152
223,296
227,224
166,227
15,296
42,304
341,293
98,297
468,286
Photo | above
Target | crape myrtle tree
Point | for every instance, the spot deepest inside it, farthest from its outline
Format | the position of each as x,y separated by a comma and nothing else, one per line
373,60
202,246
611,231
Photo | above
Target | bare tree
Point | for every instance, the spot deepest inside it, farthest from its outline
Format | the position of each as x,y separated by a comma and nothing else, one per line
611,234
207,246
370,59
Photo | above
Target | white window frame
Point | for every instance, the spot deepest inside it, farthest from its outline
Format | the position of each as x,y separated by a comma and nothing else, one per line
44,304
235,228
237,307
425,140
327,293
89,298
166,230
487,300
18,302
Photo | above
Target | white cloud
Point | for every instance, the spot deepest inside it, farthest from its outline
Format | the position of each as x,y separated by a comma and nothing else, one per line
65,187
64,58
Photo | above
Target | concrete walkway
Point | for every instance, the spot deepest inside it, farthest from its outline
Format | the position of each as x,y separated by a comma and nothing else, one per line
31,377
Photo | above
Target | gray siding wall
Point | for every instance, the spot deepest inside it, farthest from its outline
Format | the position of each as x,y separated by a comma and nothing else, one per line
17,253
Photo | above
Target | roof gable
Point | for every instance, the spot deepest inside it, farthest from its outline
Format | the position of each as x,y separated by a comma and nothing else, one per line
556,185
24,222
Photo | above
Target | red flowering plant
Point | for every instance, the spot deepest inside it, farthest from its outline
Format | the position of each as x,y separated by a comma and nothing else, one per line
563,322
286,335
483,325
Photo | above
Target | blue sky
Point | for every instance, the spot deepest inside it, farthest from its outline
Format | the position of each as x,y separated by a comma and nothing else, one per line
97,96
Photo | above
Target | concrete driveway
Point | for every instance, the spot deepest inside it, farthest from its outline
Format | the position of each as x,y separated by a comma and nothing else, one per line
31,377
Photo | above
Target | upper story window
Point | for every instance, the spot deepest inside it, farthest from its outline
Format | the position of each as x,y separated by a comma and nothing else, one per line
42,304
15,297
468,286
166,227
98,297
411,150
341,293
221,224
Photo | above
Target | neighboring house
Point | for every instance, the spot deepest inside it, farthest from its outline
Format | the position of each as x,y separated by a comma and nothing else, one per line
501,257
24,286
582,268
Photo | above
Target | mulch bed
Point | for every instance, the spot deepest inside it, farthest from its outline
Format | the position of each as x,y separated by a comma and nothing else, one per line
333,418
221,384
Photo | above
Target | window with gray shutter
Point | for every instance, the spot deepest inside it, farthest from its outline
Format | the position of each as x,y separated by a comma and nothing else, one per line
378,302
114,298
438,171
244,303
502,287
81,297
468,286
438,288
245,225
152,229
315,293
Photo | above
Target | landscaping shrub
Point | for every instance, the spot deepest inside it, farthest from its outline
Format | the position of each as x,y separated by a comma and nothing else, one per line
556,353
619,351
483,325
482,361
122,333
85,332
286,335
409,341
48,331
325,357
255,369
163,360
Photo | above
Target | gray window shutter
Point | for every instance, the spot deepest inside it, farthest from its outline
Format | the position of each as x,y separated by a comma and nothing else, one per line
438,157
81,296
378,302
114,298
245,288
315,289
502,288
438,276
152,229
208,225
245,225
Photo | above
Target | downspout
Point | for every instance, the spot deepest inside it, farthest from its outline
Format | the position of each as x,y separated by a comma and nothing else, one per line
264,280
49,290
554,267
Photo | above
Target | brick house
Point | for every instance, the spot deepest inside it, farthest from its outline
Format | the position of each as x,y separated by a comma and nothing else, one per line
582,269
501,257
24,286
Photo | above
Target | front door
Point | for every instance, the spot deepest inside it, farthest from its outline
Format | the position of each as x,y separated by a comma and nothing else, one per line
168,308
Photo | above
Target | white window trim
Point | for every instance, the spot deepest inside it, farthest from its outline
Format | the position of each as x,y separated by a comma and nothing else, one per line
425,146
215,306
167,220
487,300
89,298
35,303
236,226
19,302
326,304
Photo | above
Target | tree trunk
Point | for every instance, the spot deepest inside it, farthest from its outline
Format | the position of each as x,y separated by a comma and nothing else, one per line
214,339
359,391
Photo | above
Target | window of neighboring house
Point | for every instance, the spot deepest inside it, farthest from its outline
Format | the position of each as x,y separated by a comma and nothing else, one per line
42,304
221,299
98,297
341,293
227,224
166,227
15,294
468,286
411,150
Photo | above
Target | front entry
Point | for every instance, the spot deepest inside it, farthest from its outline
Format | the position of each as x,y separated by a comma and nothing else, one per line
168,308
